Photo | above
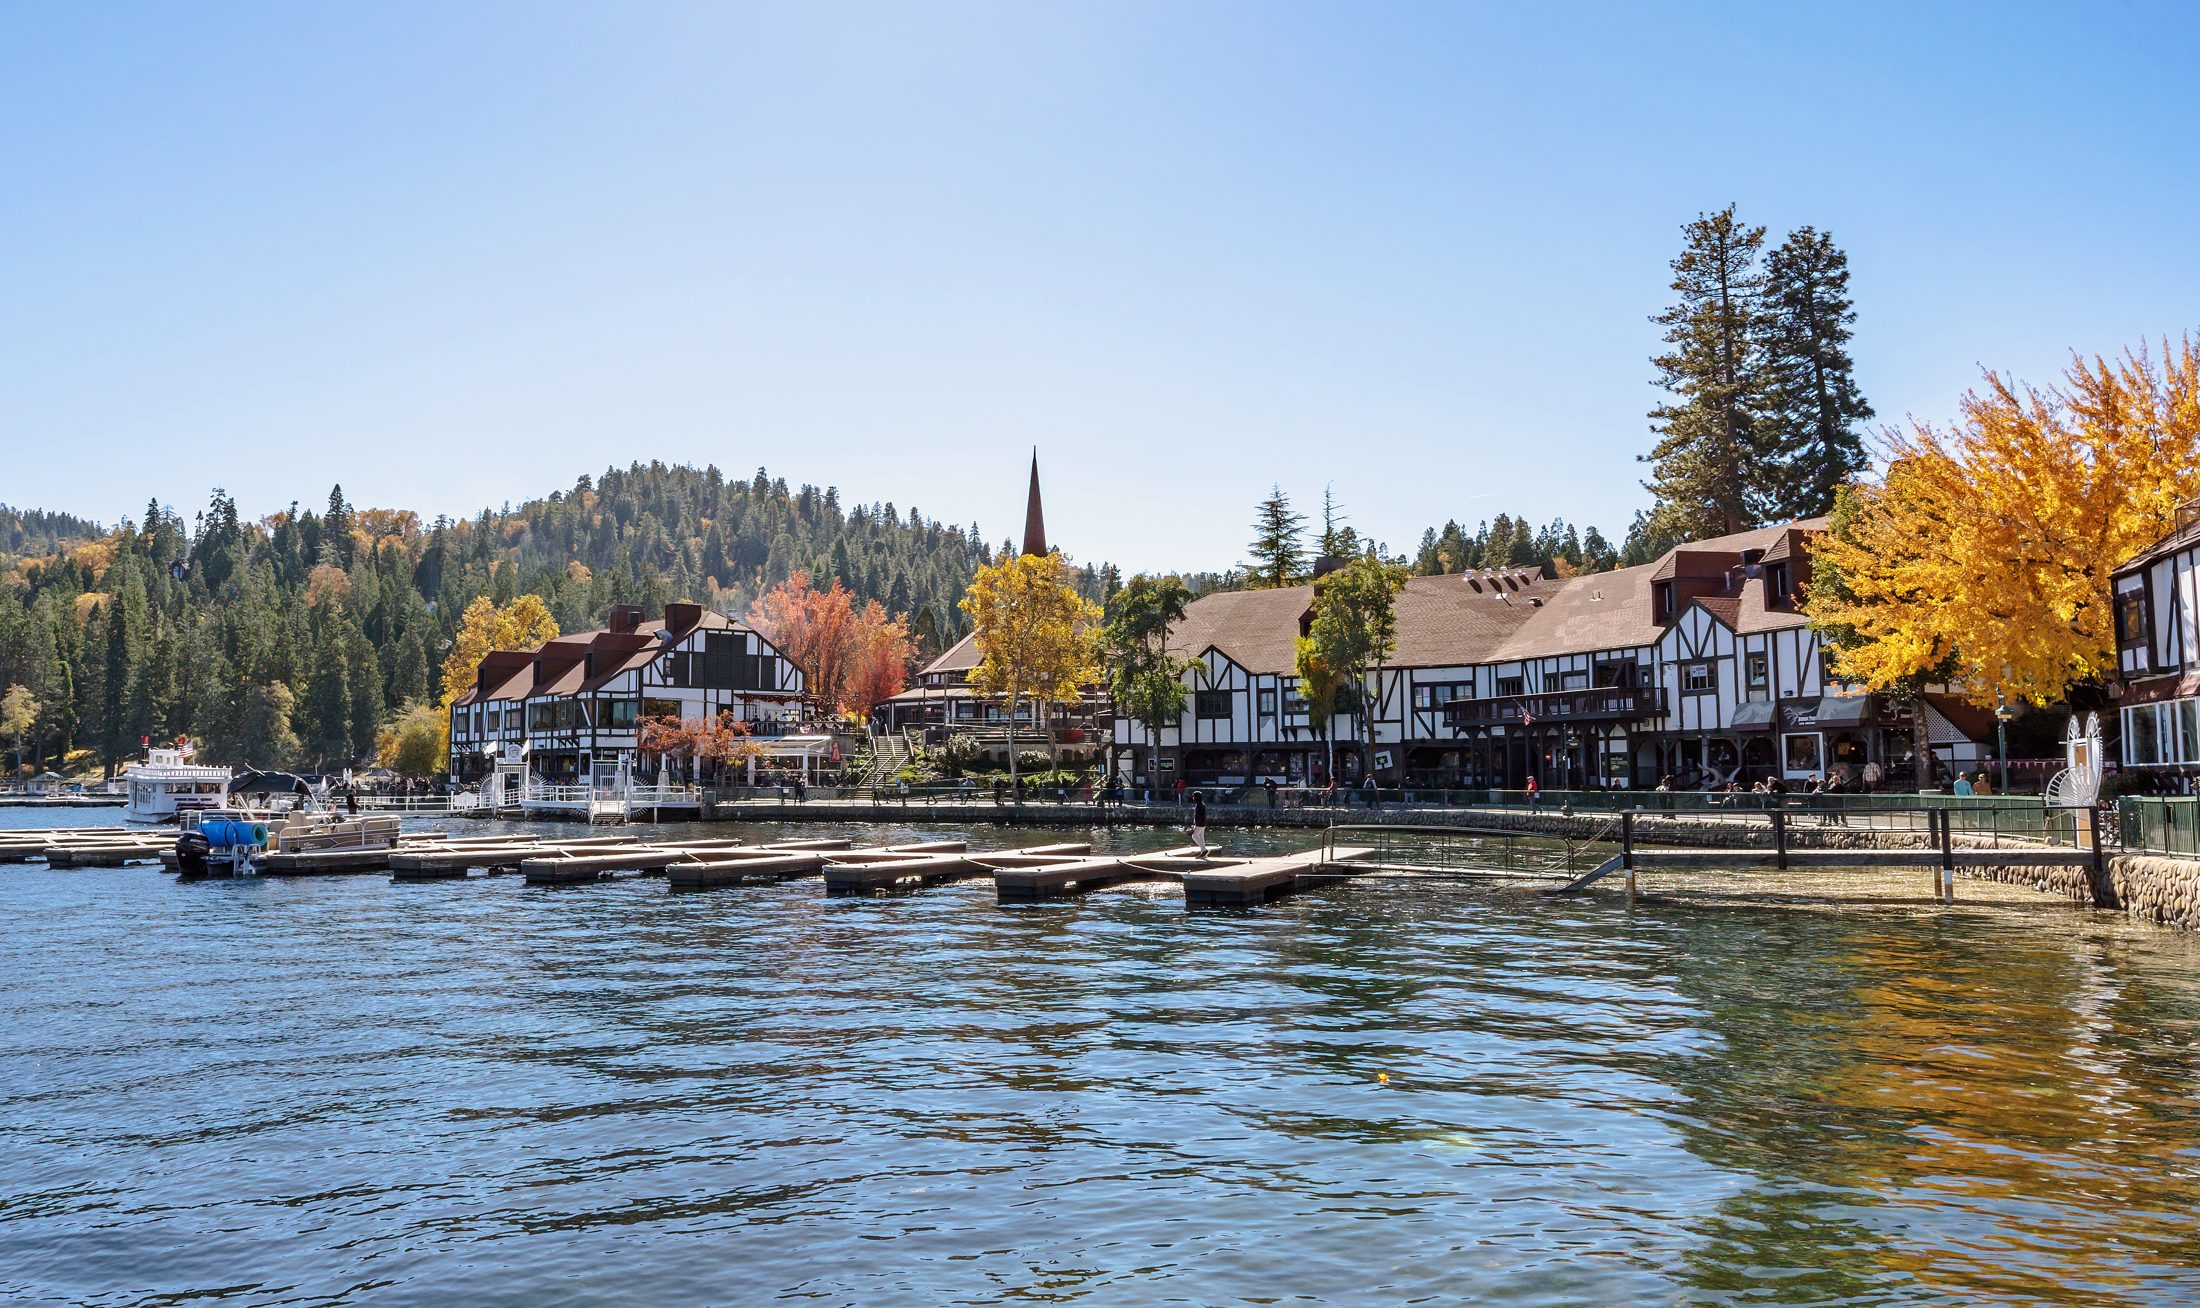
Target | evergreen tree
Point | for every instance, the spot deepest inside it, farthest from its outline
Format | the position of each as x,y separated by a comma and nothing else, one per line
323,719
1812,403
1705,462
1279,555
1338,541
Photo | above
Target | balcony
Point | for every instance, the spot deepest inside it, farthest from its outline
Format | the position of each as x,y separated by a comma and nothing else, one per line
1603,704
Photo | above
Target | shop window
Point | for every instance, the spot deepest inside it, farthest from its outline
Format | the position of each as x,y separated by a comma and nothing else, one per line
2142,735
1802,753
1700,677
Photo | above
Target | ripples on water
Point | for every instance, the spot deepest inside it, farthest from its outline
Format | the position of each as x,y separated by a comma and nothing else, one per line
344,1090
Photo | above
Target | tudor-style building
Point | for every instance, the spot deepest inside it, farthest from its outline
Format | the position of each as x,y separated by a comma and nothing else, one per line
1698,666
2157,611
571,711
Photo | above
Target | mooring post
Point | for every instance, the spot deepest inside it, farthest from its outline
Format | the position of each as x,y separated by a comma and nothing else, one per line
1779,839
1947,886
1627,842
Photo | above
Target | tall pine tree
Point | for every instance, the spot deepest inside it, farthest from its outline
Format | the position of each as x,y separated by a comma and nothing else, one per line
1708,446
1278,553
1812,404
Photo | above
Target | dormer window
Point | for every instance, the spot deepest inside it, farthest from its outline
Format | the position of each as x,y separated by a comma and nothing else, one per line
1776,585
1663,593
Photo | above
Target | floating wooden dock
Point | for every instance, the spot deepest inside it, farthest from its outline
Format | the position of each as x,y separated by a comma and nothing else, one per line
564,867
454,859
1250,884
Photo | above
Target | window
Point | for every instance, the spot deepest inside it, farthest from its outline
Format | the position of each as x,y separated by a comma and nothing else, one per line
1573,681
2131,619
1615,674
1802,753
1212,703
1294,703
1510,685
1826,675
620,714
1700,677
1759,672
1434,695
1776,585
2142,735
1665,599
1268,703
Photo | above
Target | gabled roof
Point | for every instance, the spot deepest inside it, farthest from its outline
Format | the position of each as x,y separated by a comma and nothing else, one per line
961,656
1460,619
2184,537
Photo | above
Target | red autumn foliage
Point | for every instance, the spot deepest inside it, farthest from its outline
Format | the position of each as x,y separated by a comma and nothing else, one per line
850,658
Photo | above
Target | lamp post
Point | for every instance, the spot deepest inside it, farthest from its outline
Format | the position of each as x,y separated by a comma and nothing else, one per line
2002,714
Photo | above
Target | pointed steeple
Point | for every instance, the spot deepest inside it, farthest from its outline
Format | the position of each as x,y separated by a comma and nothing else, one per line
1035,523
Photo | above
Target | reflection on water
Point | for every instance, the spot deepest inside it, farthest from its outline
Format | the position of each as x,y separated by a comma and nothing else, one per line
349,1091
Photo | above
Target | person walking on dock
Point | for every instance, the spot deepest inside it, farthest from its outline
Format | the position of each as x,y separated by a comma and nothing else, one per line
1199,822
1535,792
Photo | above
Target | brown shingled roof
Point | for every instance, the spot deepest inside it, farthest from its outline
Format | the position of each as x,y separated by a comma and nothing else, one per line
961,656
1599,611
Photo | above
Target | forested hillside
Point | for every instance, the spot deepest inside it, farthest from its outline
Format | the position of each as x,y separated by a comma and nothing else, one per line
293,638
35,531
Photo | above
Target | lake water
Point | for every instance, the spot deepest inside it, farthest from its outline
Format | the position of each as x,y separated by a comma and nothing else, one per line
348,1091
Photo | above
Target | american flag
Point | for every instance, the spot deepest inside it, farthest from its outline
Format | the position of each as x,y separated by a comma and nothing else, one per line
1527,719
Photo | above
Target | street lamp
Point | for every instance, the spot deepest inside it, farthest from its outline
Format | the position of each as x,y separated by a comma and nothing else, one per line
2002,714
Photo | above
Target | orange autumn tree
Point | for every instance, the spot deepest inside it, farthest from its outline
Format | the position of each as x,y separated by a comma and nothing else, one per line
850,658
1984,553
878,668
722,741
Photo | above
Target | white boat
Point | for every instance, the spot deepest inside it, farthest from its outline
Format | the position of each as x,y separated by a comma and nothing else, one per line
166,782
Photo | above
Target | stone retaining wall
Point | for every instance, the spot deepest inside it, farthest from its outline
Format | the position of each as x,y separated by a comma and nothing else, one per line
2151,887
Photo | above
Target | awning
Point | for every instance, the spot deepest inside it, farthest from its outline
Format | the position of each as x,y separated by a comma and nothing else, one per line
1844,710
1756,715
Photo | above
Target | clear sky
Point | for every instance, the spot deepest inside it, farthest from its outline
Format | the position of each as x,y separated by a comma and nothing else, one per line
456,255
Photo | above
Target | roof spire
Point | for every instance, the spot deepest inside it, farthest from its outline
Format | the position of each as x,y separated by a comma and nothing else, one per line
1035,524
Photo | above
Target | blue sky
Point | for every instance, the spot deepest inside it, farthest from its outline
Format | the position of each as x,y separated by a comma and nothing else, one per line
458,255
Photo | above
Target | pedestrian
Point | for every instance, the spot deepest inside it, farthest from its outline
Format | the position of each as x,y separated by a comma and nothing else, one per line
351,800
1963,784
1980,785
1199,822
1180,792
1270,786
1535,792
1873,773
1367,789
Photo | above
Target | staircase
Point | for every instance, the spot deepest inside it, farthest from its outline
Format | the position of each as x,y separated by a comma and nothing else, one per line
889,754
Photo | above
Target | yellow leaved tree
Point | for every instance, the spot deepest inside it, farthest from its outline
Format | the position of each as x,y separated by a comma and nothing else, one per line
1983,556
1038,639
525,623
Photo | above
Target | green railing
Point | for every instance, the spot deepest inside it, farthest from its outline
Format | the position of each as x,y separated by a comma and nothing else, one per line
2168,824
